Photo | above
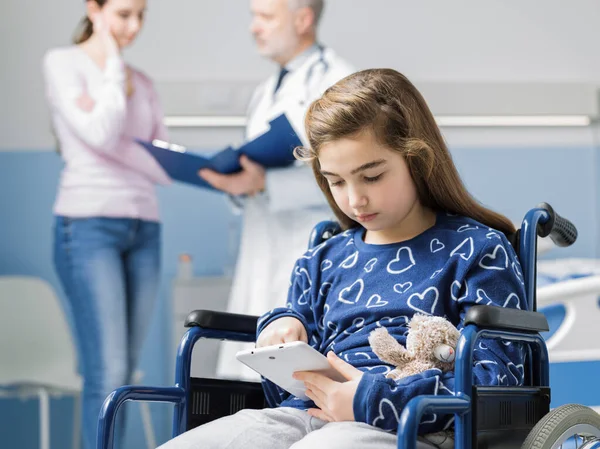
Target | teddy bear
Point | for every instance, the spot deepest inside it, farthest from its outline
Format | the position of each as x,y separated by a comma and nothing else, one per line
430,343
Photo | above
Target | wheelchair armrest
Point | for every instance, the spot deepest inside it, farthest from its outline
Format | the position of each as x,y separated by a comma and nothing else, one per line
222,321
501,318
113,402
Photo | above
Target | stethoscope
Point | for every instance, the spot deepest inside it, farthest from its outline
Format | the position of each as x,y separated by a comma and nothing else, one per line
310,72
319,62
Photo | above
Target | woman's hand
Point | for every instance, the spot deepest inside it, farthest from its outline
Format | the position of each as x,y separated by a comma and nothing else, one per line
334,399
85,102
282,330
102,29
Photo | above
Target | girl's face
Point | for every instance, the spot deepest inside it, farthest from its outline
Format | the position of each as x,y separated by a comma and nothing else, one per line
124,18
372,185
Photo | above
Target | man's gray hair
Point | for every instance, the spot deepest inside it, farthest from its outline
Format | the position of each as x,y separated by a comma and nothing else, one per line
315,5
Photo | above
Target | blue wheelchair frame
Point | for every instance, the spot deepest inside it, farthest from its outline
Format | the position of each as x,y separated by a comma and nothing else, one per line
460,404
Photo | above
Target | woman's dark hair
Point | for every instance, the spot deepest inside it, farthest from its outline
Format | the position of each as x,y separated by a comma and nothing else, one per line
86,27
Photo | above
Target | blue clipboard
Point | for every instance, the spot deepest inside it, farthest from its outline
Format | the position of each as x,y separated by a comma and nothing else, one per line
273,149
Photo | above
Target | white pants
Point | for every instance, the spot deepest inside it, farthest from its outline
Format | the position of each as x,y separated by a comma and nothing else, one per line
290,428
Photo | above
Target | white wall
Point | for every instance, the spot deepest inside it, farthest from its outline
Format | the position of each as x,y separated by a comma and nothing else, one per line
435,40
460,40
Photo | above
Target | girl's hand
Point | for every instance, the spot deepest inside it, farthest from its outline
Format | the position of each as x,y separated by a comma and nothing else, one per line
334,399
282,330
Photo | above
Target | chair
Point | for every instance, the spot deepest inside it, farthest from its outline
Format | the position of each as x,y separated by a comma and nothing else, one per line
37,353
485,416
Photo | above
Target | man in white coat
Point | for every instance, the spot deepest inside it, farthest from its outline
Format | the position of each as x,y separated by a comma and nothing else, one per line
280,206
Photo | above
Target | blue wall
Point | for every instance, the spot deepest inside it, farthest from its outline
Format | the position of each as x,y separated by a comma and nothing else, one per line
193,223
514,180
198,222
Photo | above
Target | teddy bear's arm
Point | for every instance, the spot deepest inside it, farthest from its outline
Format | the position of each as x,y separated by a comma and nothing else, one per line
387,348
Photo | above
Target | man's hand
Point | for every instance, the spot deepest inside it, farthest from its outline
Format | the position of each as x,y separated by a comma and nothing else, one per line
334,399
249,181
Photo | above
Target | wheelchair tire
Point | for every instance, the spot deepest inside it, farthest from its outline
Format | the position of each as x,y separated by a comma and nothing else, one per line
562,423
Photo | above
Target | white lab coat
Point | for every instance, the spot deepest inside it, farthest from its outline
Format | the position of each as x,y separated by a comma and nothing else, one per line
277,224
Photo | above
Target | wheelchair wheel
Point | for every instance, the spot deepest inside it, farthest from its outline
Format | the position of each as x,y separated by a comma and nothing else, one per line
570,425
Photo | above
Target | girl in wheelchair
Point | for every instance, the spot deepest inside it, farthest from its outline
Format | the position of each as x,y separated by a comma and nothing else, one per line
414,241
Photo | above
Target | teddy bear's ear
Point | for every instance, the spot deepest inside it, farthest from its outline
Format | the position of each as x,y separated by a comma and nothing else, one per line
417,319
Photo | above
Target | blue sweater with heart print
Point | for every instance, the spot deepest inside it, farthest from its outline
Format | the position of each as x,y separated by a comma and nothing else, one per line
345,288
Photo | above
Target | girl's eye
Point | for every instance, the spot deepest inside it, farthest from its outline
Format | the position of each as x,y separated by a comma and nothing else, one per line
336,183
124,15
370,179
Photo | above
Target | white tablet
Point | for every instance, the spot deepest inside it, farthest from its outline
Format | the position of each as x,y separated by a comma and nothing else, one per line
277,363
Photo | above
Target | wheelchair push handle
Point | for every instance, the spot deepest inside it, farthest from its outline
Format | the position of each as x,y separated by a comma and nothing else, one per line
561,231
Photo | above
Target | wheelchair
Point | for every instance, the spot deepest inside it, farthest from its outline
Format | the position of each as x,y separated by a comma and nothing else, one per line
485,416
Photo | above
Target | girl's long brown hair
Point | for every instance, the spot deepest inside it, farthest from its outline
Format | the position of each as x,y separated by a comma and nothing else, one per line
386,102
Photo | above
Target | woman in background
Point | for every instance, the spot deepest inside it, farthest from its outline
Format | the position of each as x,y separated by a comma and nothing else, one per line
107,231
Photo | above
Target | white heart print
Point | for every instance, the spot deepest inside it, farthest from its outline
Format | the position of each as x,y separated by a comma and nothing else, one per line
353,292
436,246
350,261
404,261
402,288
464,253
497,260
326,265
481,295
370,264
455,291
376,301
432,293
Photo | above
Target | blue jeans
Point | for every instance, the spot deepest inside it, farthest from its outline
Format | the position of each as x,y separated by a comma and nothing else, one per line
109,270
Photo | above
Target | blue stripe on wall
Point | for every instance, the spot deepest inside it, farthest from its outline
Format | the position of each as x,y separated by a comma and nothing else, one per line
198,222
575,382
514,180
